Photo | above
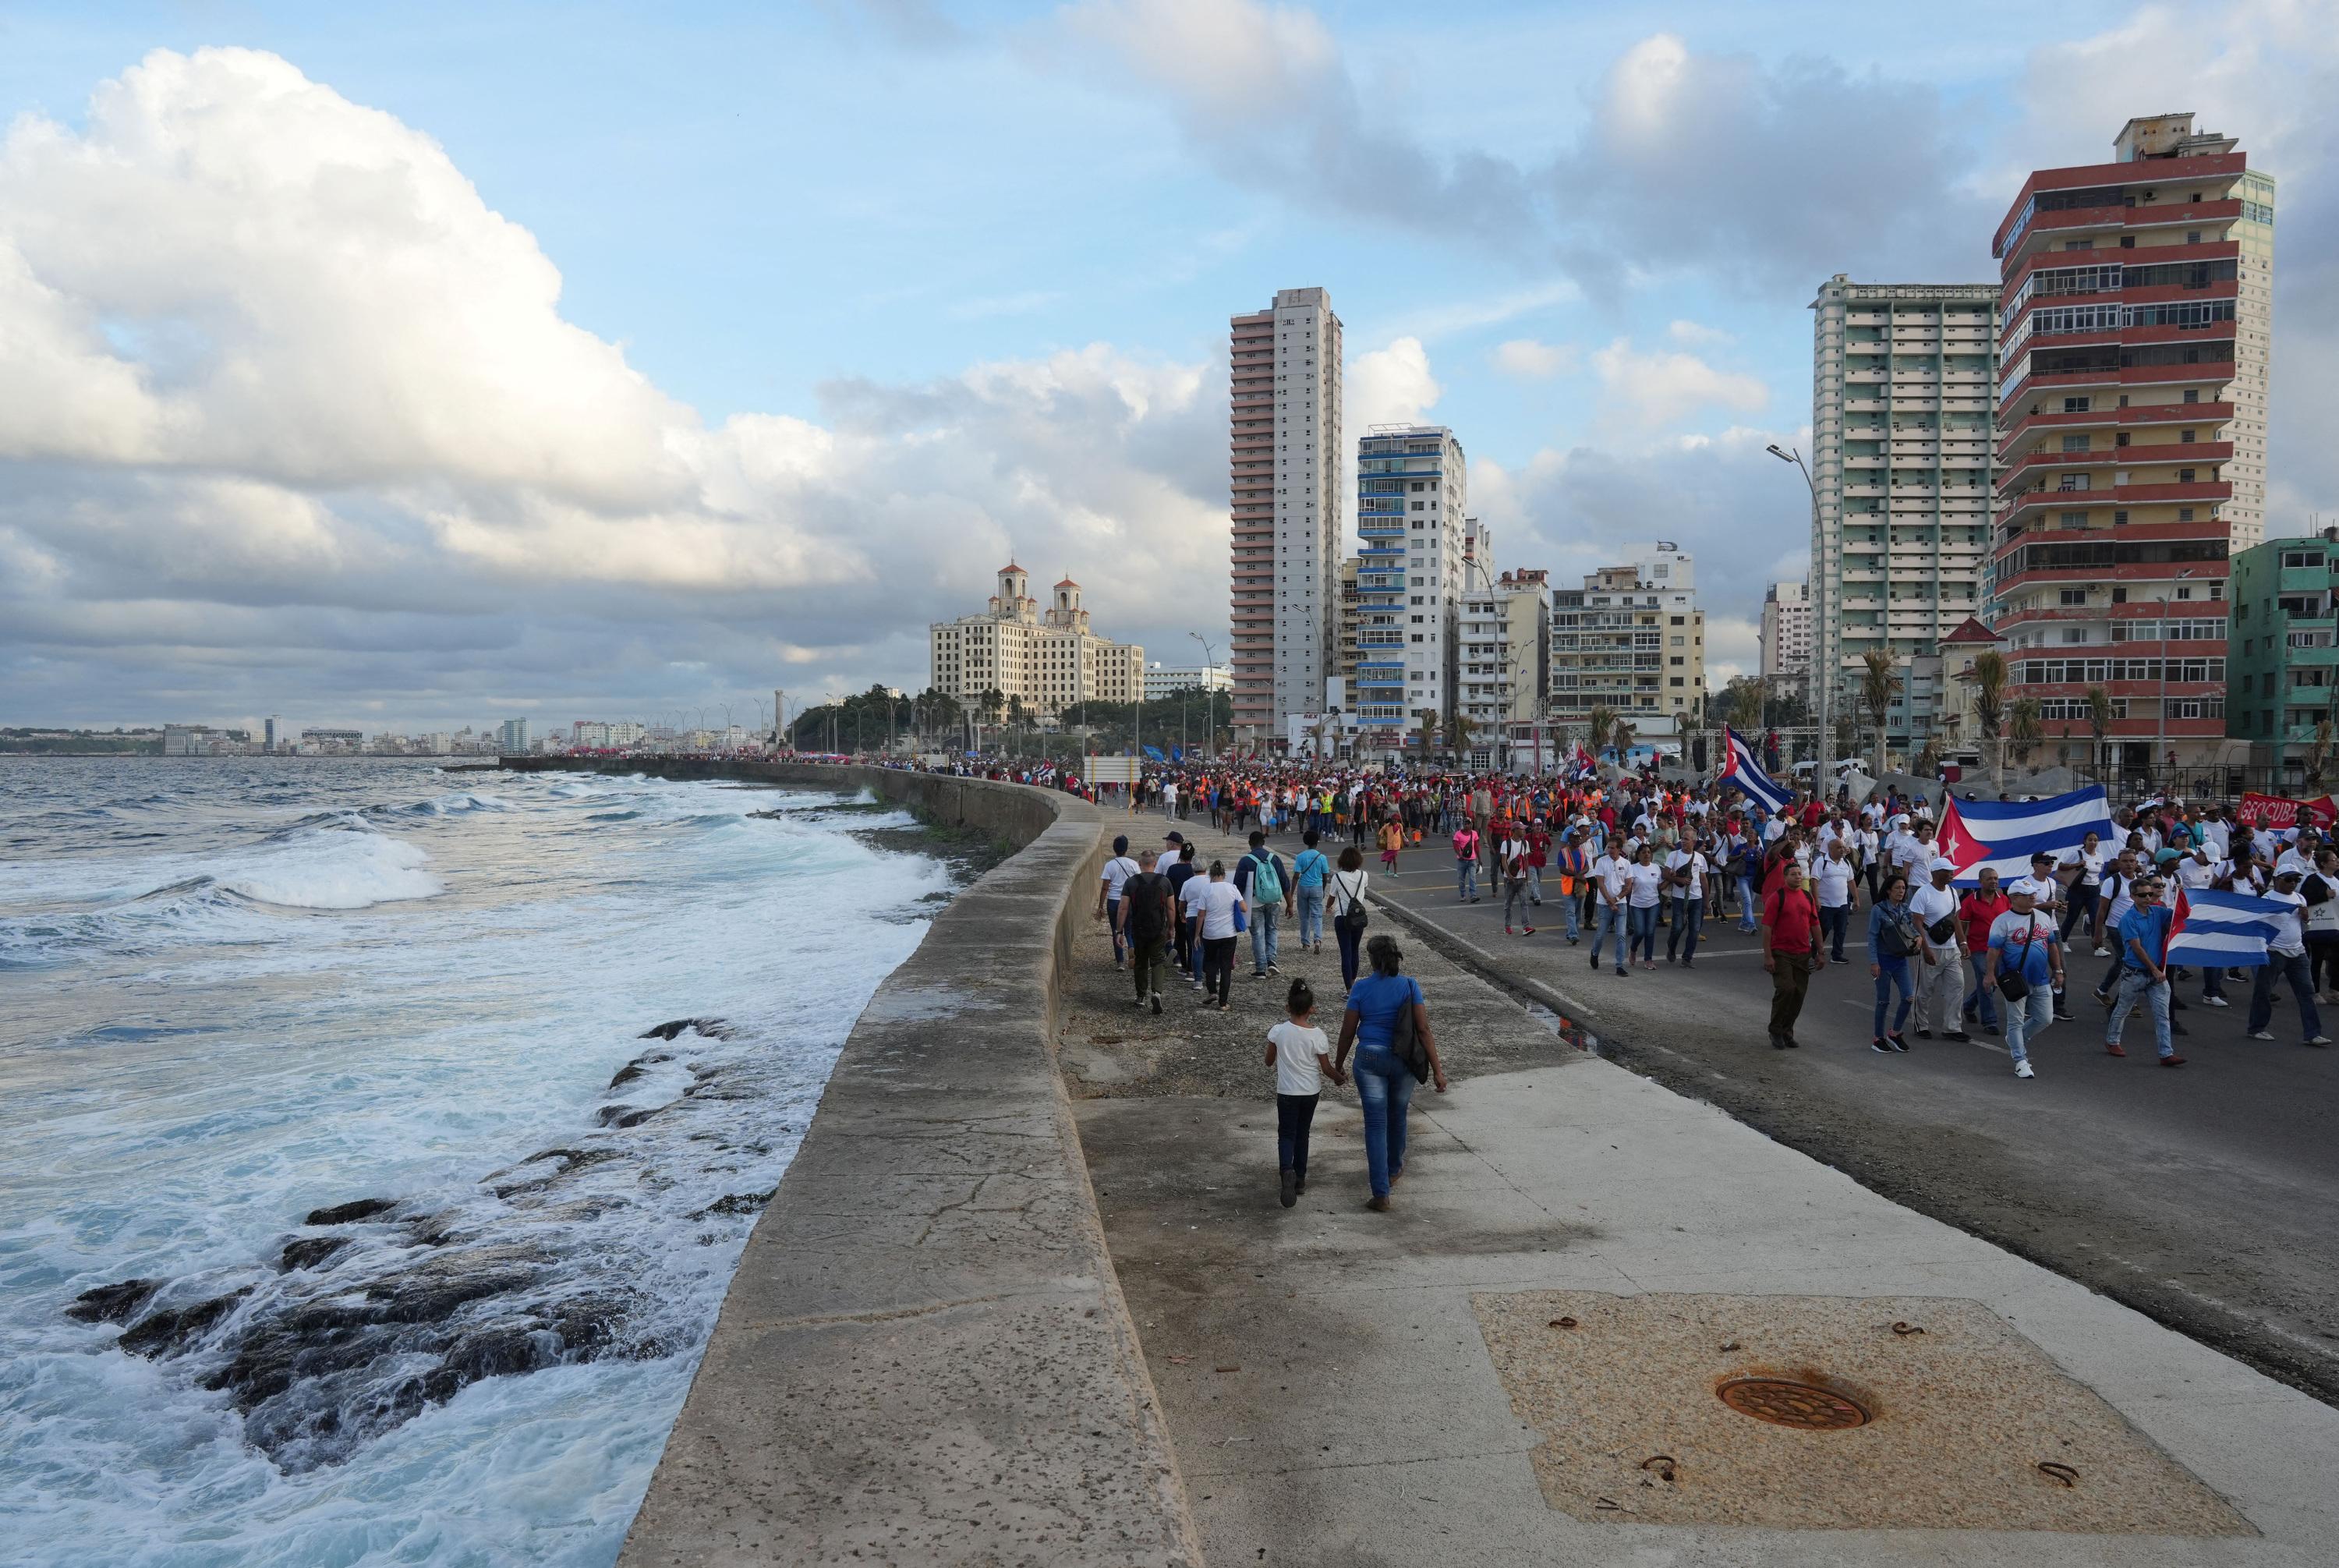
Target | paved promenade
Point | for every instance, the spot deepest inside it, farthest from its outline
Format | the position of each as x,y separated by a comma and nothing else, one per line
1521,1363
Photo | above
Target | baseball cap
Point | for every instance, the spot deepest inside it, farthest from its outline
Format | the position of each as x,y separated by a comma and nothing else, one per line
1942,863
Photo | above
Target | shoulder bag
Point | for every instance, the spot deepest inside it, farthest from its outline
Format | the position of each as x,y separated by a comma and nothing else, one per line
2011,985
1404,1039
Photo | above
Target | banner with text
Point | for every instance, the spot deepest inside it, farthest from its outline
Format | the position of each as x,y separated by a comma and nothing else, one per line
2279,813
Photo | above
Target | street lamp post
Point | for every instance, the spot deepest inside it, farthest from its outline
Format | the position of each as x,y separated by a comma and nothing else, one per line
1209,662
1822,765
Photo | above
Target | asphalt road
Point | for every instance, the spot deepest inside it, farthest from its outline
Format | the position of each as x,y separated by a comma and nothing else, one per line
2205,1196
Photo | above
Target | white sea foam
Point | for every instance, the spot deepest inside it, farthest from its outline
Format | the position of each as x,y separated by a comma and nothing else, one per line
404,1045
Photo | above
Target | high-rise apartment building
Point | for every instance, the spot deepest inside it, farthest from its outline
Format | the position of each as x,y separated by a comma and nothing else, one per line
2137,314
1787,638
1505,657
1411,488
273,725
1901,383
511,739
1284,462
1632,638
1050,659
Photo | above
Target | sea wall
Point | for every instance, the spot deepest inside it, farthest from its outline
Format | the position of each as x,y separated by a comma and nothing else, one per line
924,1356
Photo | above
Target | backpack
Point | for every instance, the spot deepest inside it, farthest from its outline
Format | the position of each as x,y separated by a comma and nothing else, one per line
1266,882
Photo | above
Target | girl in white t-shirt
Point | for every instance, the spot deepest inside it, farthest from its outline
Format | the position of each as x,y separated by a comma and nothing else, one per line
1302,1060
1644,881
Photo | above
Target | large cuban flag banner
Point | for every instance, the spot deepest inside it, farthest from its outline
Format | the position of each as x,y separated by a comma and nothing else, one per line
1743,771
2221,930
2005,834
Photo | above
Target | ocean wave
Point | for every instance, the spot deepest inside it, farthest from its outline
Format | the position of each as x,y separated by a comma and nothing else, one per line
333,871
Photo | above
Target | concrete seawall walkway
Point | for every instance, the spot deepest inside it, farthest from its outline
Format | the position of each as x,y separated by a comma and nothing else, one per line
1525,1361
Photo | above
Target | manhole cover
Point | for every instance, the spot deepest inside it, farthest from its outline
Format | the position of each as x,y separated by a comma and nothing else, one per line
1788,1404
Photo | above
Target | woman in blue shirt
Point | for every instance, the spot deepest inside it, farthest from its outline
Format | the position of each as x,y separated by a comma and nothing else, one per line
1384,1084
1889,969
1311,868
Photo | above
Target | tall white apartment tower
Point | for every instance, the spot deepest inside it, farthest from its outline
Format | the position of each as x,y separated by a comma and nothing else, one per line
1904,392
1284,469
1787,637
1411,488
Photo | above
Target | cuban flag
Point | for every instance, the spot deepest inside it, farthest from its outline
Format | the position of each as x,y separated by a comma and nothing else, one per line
2221,930
2005,834
1741,770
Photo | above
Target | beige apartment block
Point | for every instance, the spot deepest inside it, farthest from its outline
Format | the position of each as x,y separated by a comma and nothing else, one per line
1049,658
1902,377
1787,637
1632,638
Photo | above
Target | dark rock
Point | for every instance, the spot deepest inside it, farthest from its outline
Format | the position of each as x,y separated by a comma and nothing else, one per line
736,1203
627,1073
706,1027
348,1213
113,1303
309,1251
176,1329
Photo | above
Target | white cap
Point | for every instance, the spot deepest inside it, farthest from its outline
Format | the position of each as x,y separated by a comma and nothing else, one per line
1943,863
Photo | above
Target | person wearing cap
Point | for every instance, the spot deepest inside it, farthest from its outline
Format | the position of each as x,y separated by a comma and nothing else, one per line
1977,911
2023,944
2285,960
1940,967
2144,944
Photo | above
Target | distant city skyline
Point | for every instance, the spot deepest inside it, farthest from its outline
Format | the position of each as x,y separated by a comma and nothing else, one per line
428,387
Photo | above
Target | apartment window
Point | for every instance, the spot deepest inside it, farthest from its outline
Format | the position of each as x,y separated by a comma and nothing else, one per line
2073,519
2128,242
2077,405
2119,596
2120,438
1417,485
2073,597
2193,236
2184,514
2074,443
2074,633
2119,519
2184,476
2192,394
2185,435
1418,505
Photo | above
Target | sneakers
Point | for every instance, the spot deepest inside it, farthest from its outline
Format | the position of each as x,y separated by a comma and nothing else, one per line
1508,931
1958,1035
1529,932
2320,1040
2260,1034
1157,1002
1924,1034
2215,1002
1879,1046
1778,1043
1619,971
1290,1192
1258,974
1274,968
2103,952
2022,1069
1898,1043
1595,963
1378,1204
1793,1044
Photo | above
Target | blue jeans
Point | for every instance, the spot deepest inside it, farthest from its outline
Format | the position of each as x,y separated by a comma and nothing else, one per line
1982,1000
1644,931
1572,903
1262,934
1350,939
1746,921
1535,885
1688,917
2026,1020
1384,1089
2292,967
1113,924
1465,878
1833,923
1311,917
1893,972
1611,918
2136,986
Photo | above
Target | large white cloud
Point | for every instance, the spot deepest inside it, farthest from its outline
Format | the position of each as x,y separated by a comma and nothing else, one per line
267,352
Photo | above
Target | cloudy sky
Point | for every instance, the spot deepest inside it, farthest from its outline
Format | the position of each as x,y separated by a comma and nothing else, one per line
428,365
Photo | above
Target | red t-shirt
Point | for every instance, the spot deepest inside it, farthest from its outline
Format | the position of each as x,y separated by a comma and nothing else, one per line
1793,917
1979,914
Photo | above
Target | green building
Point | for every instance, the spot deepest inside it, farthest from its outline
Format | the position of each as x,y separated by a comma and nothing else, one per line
2280,653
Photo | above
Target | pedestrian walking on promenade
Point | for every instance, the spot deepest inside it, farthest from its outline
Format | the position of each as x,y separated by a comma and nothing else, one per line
1687,873
1392,839
1220,899
1265,884
1977,911
1612,883
1148,906
1118,870
1831,878
1348,912
1791,952
2286,961
1384,1083
1302,1060
1310,868
2144,977
1940,967
1893,941
1466,864
1178,872
1574,870
1647,884
2022,959
1511,860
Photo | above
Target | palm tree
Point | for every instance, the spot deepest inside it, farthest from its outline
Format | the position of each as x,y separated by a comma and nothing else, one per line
1460,731
1428,730
2025,727
2318,753
1599,725
1621,737
2099,724
1989,709
1847,736
1876,688
1744,698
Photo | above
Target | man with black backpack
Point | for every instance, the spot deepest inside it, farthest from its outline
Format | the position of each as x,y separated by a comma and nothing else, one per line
1144,916
1268,890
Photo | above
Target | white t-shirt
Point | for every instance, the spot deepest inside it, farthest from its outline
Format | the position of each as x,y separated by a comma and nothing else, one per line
1930,904
1117,871
1189,897
1345,888
2122,901
1834,879
2090,864
1772,829
1695,863
2191,873
2288,937
1645,880
1218,900
1611,870
1296,1048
